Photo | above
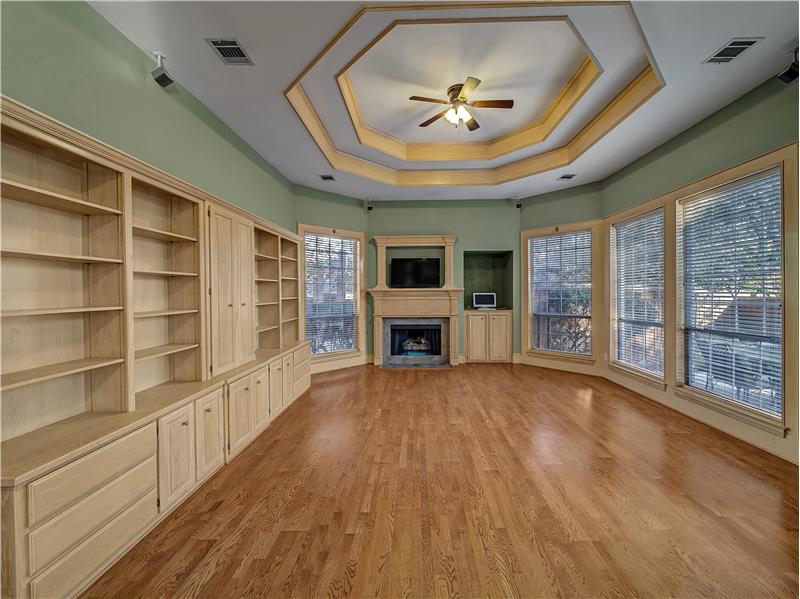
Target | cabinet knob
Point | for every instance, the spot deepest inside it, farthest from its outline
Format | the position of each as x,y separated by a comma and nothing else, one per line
258,382
244,303
185,423
247,388
208,410
230,305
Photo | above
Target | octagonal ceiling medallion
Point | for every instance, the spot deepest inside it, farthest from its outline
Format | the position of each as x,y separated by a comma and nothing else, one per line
540,60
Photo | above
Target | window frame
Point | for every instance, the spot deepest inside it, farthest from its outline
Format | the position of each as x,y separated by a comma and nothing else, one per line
360,238
757,418
594,227
613,360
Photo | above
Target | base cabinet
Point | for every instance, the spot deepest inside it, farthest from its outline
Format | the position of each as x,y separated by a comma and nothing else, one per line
275,388
261,397
489,335
210,434
288,380
240,415
176,456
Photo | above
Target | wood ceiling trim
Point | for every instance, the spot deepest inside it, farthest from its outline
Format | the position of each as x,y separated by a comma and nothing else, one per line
636,93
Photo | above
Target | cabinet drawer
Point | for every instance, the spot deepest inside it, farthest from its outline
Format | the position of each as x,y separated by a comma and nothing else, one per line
54,538
302,369
58,490
302,354
87,559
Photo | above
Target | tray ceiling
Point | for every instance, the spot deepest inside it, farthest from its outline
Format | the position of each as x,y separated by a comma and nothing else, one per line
647,86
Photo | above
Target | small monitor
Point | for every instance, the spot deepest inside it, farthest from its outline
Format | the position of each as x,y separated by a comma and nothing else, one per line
484,301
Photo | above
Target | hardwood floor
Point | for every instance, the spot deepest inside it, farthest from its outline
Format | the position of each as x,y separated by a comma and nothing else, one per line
483,481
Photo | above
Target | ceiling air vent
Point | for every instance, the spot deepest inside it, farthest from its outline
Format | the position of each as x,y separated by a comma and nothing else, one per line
734,48
566,177
327,177
230,51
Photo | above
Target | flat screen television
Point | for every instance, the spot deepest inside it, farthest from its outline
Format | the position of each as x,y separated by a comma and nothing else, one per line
414,272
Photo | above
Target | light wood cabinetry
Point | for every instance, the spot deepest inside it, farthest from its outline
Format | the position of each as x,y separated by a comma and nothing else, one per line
176,456
489,335
110,405
288,379
240,415
232,302
210,434
275,388
259,383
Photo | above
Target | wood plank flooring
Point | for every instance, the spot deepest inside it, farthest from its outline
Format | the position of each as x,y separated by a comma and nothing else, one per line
483,481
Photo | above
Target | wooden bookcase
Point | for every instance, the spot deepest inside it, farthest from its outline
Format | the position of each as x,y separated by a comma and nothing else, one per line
63,292
290,291
167,286
268,318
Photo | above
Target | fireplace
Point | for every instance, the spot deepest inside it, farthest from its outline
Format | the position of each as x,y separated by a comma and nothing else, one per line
416,342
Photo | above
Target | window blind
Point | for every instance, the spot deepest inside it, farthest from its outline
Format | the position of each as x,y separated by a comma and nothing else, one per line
332,305
560,288
637,292
729,248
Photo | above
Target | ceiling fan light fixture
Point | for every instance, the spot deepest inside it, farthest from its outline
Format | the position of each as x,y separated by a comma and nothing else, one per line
457,114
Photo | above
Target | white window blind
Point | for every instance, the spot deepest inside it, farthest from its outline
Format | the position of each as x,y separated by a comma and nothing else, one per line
560,288
637,292
332,304
729,250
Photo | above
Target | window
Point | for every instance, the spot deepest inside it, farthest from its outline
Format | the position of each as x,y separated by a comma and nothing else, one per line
637,292
729,250
560,287
332,292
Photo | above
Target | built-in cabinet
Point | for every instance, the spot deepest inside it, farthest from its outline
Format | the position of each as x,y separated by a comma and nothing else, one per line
489,335
150,332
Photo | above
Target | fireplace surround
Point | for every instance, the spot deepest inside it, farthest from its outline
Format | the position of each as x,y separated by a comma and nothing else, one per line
415,342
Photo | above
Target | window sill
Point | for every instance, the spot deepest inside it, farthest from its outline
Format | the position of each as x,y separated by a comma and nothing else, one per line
638,375
761,421
335,356
561,356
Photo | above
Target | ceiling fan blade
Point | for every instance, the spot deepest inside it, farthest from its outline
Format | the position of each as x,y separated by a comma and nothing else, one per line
492,103
433,119
469,86
424,99
472,124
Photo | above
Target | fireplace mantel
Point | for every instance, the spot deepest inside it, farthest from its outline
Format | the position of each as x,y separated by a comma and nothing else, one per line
390,302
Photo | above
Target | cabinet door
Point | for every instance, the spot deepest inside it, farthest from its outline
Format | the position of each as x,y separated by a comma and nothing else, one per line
240,418
500,337
477,333
176,468
261,398
245,275
223,292
210,434
275,388
288,380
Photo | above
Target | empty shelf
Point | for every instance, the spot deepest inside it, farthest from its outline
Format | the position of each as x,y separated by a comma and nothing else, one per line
48,311
262,280
266,303
50,199
289,320
154,313
293,297
163,350
266,327
154,233
39,374
289,278
289,258
56,257
164,273
265,257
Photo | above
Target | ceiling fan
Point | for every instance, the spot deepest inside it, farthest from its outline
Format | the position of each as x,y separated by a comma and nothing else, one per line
457,112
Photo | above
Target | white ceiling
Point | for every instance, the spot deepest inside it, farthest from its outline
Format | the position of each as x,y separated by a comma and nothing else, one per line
425,60
283,38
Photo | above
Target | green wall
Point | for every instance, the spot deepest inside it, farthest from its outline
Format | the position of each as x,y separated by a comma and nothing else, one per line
762,120
67,61
314,207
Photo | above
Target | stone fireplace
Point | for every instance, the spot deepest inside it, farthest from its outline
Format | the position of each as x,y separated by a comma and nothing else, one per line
416,342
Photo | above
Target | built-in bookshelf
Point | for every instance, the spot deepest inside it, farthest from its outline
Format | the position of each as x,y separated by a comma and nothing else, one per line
268,319
167,268
290,291
63,318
